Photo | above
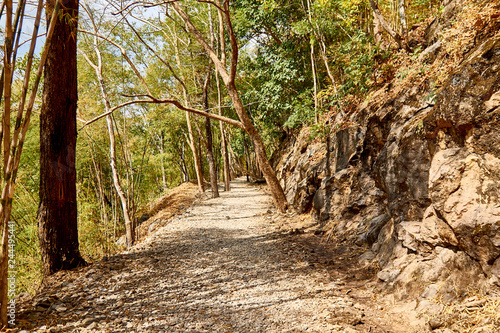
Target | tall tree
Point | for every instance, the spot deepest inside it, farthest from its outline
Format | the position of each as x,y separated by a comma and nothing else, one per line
57,213
209,140
223,140
23,117
229,79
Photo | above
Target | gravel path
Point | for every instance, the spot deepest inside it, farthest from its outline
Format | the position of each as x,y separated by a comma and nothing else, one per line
219,267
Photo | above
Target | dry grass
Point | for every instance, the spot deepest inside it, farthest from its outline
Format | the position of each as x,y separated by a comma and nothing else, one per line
162,209
475,20
477,310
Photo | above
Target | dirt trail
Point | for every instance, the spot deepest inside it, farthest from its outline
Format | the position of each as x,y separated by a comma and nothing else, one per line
220,267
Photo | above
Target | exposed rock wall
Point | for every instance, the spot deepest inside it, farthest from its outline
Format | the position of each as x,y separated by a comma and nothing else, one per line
415,181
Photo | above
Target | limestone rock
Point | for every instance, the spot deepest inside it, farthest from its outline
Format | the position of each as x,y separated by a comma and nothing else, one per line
435,231
464,189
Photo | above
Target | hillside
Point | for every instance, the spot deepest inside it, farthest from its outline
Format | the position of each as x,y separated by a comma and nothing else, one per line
411,176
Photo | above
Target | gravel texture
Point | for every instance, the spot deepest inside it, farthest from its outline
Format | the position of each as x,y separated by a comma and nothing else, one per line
222,266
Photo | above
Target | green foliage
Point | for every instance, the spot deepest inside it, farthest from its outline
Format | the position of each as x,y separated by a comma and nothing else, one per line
357,60
303,111
319,131
275,81
24,211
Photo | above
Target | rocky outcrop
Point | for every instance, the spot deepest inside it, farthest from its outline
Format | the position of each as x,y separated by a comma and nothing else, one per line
415,181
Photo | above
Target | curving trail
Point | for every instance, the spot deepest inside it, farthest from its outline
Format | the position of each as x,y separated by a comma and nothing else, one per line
219,267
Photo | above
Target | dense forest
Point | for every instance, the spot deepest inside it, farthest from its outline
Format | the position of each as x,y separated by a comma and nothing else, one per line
175,91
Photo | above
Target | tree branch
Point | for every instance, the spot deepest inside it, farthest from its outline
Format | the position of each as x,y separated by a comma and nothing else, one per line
152,100
145,4
199,37
397,37
125,56
234,42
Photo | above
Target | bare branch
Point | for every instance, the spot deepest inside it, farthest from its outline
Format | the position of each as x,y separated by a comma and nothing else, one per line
125,56
145,4
174,102
199,37
212,3
166,63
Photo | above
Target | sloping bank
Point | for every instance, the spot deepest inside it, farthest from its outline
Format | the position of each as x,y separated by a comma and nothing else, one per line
413,177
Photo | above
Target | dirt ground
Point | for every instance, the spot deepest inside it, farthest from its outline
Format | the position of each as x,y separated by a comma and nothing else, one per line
231,264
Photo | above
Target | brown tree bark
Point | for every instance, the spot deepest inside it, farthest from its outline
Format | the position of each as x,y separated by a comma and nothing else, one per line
57,213
162,162
209,141
192,143
223,140
225,155
23,117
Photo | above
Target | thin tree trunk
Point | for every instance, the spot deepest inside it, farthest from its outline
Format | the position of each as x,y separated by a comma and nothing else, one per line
101,196
129,226
247,158
402,18
162,152
208,126
8,70
321,41
7,87
325,61
236,164
397,37
225,155
185,169
377,29
315,85
191,141
209,141
229,80
18,139
116,181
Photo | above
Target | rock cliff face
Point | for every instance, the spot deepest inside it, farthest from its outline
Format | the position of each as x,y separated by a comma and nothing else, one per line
415,179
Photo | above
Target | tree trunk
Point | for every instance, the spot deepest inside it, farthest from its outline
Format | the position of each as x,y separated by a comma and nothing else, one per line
315,85
57,213
265,166
162,152
402,18
196,156
225,155
184,168
222,54
98,68
129,227
208,131
7,72
229,80
191,141
378,30
397,37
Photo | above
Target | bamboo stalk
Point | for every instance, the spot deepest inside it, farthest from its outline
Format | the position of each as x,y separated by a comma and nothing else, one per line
12,158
